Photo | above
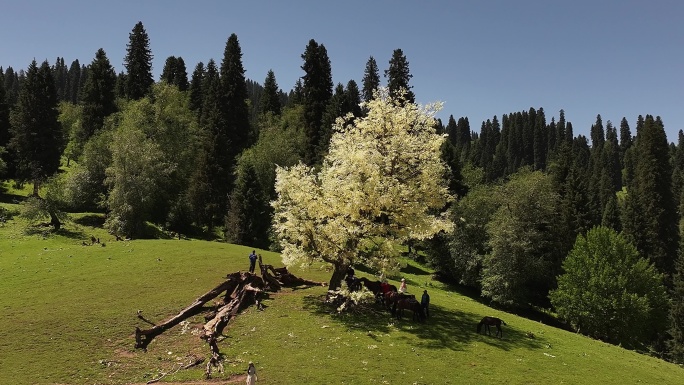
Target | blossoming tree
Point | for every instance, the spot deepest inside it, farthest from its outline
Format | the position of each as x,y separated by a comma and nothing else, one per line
381,184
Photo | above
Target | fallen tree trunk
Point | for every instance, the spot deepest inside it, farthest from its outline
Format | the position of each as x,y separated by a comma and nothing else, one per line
241,290
144,337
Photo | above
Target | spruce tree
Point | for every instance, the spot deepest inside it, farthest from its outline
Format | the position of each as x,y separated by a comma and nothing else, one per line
650,213
4,114
371,79
36,134
99,95
676,331
234,94
181,76
169,72
398,76
249,218
73,85
270,101
196,91
352,99
625,138
138,63
317,89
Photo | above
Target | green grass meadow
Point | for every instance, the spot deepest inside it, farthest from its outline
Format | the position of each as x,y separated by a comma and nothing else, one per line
69,312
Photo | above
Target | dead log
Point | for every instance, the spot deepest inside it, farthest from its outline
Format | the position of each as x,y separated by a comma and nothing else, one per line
144,337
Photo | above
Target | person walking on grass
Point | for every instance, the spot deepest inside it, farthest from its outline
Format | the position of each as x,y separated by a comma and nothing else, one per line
252,261
251,374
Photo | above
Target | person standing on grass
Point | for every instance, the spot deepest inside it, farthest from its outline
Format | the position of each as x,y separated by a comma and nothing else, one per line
402,287
251,374
252,261
425,302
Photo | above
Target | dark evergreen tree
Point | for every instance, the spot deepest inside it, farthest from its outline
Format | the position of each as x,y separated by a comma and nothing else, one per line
678,168
317,90
60,73
73,86
249,219
4,114
209,183
196,90
398,76
120,90
625,138
371,79
676,331
234,96
36,135
270,102
541,140
175,72
138,63
169,72
352,99
98,97
650,220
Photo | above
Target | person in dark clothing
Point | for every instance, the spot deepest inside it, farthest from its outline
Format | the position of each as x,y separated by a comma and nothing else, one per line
252,261
425,303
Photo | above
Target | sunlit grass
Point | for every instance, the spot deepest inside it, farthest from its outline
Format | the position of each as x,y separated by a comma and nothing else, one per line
69,313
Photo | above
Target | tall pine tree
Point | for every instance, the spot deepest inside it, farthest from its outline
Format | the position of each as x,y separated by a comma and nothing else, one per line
36,133
650,219
138,63
317,89
398,76
270,101
371,79
98,97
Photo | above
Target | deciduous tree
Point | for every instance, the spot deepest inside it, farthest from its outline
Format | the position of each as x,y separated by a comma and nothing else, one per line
380,185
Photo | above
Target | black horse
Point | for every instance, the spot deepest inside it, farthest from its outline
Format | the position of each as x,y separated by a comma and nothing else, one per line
491,321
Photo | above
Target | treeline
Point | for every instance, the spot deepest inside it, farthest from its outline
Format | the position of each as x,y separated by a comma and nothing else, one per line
196,154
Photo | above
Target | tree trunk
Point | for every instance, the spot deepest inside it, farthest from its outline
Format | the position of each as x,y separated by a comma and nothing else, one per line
337,277
54,221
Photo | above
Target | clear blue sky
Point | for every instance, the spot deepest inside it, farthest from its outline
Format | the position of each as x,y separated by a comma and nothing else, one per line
617,58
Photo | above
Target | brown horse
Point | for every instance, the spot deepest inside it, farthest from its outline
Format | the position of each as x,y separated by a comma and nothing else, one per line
491,321
411,304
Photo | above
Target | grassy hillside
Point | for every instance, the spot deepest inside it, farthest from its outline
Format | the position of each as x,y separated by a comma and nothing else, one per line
69,315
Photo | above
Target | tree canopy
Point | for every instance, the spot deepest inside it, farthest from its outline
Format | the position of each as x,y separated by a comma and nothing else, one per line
381,184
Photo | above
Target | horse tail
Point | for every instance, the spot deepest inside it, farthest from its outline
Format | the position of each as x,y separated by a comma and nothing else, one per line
479,326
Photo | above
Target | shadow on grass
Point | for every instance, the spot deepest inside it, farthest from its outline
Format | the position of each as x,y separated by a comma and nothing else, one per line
11,198
446,328
91,220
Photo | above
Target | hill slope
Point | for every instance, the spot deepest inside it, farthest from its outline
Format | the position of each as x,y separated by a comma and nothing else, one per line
69,313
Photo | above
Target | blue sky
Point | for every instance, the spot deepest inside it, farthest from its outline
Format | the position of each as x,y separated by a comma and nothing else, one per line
617,58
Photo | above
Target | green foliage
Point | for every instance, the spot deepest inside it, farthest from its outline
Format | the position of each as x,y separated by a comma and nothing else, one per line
524,235
607,291
152,152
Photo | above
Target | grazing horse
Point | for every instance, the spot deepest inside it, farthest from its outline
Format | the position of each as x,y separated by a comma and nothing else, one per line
411,304
373,286
393,297
491,321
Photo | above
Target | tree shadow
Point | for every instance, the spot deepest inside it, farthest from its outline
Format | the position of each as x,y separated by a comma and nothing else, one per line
446,328
91,220
11,198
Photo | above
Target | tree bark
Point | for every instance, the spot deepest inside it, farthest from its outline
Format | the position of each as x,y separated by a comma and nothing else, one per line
338,275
